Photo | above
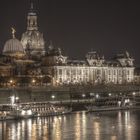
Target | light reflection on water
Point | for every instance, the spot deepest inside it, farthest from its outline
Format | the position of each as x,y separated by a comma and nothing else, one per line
121,125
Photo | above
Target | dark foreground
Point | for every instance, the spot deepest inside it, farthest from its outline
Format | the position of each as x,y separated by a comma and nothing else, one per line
111,125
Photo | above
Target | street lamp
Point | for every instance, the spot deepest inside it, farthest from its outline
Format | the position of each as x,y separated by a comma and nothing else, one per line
127,101
17,98
53,96
33,81
11,81
97,96
109,94
134,93
83,95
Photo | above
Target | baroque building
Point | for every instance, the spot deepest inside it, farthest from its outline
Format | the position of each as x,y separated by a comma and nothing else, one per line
32,40
93,70
29,62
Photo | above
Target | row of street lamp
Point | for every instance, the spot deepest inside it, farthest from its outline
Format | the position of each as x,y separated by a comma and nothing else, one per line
109,94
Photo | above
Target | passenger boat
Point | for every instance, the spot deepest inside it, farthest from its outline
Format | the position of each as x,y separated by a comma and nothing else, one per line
48,109
21,111
120,105
16,112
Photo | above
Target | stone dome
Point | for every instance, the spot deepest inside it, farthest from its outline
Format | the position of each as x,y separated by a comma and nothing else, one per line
13,47
33,39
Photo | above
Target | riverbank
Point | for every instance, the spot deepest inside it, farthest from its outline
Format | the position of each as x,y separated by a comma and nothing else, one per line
61,93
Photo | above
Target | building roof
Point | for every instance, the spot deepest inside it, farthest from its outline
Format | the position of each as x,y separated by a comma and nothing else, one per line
13,47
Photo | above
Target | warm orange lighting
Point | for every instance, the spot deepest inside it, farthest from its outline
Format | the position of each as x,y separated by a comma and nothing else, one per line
33,81
11,81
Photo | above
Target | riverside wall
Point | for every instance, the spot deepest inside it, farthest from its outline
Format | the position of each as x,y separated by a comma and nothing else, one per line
41,93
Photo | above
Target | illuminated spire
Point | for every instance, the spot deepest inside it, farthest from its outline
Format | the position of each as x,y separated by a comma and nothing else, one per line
32,6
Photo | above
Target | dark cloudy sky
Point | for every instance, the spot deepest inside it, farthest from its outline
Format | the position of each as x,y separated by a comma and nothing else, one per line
78,27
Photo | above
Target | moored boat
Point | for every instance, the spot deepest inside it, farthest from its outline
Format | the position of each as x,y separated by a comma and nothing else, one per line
16,112
123,104
50,110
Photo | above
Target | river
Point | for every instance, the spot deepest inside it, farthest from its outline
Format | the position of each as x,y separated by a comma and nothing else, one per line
113,125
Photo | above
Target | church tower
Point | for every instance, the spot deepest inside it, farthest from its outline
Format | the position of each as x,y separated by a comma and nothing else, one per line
32,40
32,19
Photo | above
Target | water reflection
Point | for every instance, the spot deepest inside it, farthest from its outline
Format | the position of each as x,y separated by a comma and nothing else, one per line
119,125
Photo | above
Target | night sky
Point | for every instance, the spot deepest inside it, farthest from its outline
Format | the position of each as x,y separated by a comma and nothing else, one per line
107,27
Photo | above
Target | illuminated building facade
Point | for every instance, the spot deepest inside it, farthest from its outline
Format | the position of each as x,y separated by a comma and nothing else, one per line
32,40
28,58
93,70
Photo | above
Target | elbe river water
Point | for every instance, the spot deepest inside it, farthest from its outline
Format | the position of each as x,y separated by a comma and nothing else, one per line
110,125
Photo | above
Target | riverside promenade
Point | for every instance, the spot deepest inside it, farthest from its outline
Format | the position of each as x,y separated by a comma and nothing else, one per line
63,93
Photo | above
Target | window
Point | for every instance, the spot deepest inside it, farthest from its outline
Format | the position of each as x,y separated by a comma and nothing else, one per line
60,71
120,72
74,72
114,72
79,72
109,72
68,72
128,72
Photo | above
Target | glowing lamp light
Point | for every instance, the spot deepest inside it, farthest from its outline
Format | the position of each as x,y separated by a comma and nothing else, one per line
11,81
29,112
119,103
97,96
83,95
52,96
134,93
33,81
17,98
23,112
127,101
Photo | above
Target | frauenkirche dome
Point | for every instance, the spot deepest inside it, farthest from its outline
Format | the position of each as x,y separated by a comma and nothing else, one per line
32,39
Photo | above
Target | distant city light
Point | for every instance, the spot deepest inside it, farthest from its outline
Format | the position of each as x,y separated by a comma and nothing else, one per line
33,81
11,81
17,98
83,95
109,94
53,96
134,93
97,96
